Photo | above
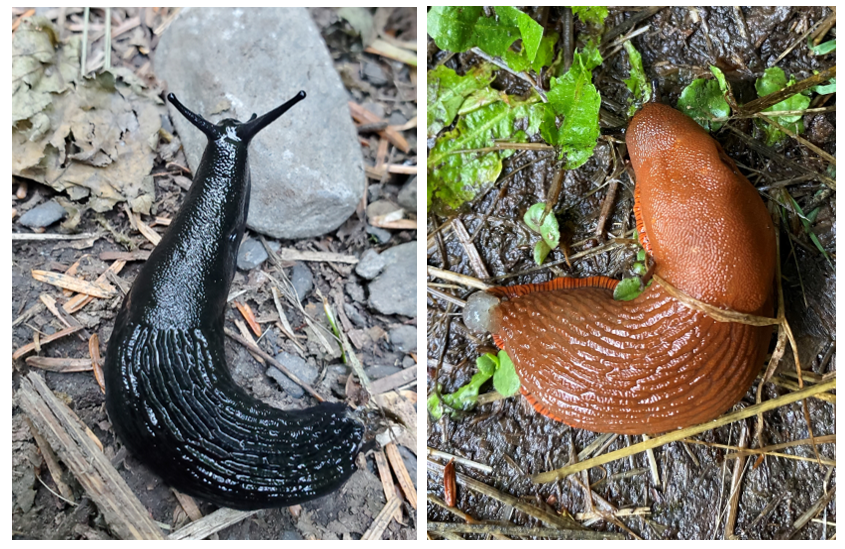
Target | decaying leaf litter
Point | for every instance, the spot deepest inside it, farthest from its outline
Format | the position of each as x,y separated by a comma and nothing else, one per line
670,491
102,146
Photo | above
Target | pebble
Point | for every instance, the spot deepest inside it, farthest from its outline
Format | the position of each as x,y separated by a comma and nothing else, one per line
381,207
251,254
374,74
354,315
298,367
382,235
354,291
307,167
370,265
380,371
403,338
394,291
407,197
43,215
375,108
302,279
397,119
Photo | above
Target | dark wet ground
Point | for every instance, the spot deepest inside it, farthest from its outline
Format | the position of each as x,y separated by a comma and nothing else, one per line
690,499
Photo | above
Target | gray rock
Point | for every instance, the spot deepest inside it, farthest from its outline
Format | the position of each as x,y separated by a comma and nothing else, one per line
251,254
395,289
381,207
408,195
408,361
294,535
370,265
307,168
375,108
382,235
397,119
354,291
43,215
380,371
298,367
354,315
374,73
403,338
410,462
302,279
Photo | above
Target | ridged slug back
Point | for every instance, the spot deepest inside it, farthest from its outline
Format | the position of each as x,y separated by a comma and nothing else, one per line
652,364
169,393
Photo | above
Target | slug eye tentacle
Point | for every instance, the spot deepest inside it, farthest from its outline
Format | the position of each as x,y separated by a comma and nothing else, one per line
201,123
248,130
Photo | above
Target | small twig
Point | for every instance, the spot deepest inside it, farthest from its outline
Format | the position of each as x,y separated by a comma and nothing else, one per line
458,278
504,66
535,531
458,459
673,436
259,351
470,249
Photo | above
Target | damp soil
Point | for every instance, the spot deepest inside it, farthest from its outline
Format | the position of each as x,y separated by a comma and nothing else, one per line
37,511
689,498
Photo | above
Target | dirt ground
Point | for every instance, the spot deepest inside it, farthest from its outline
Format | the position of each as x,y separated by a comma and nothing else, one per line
38,512
690,497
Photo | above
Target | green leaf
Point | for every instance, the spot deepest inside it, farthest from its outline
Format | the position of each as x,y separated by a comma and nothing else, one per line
541,252
547,226
530,31
453,27
825,89
704,100
638,83
574,99
639,269
628,289
591,15
447,92
823,48
466,397
519,62
774,79
641,255
454,178
505,380
435,407
487,364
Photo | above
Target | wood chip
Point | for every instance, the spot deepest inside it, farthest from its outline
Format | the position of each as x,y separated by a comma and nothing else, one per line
68,436
210,524
148,232
188,505
137,255
398,168
61,365
386,49
52,462
393,381
289,254
61,280
94,351
401,472
382,521
247,336
363,116
79,301
249,316
387,481
30,347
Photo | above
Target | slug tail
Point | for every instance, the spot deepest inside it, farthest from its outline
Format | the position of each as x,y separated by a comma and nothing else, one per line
249,129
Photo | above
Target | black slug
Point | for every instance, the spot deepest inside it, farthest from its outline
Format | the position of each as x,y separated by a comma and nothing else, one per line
169,392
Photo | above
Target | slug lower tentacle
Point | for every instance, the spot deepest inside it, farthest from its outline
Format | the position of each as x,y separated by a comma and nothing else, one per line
653,364
169,393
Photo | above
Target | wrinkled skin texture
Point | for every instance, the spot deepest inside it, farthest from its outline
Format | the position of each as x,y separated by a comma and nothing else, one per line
652,364
169,393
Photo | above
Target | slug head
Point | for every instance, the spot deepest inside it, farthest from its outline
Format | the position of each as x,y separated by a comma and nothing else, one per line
236,130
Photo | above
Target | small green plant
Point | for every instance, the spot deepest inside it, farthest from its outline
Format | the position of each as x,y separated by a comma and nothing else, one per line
546,226
505,381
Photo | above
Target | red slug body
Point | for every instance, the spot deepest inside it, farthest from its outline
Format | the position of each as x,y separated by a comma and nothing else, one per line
653,364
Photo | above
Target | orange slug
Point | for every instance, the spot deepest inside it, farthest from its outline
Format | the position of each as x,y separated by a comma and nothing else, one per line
653,364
